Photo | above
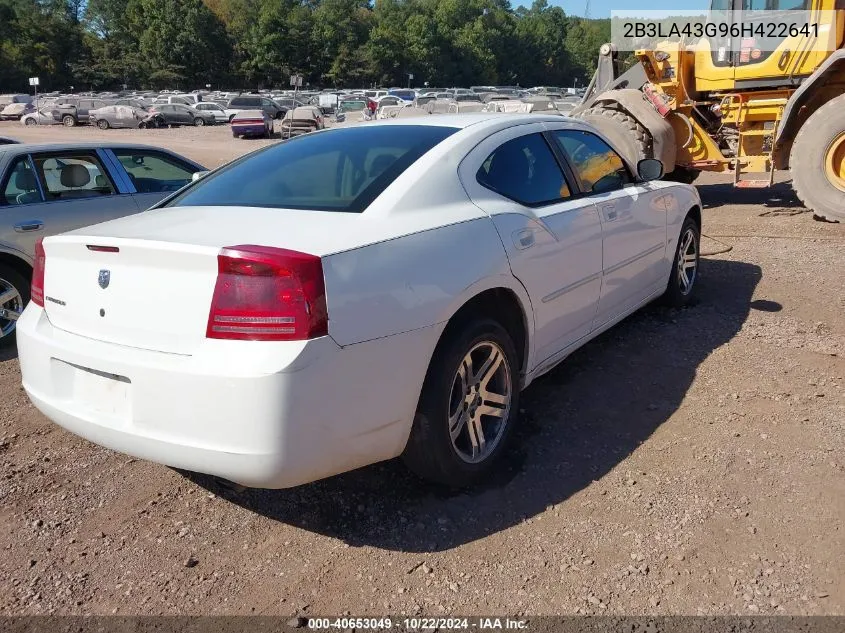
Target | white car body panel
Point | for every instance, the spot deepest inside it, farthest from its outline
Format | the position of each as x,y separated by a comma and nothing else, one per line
564,237
255,414
258,413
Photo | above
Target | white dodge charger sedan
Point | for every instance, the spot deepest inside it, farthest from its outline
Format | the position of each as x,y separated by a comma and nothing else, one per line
352,295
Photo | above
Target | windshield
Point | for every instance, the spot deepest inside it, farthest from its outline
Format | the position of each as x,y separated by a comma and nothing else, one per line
338,170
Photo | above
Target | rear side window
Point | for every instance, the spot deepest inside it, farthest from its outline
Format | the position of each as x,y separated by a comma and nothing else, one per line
598,166
525,170
21,186
340,170
77,175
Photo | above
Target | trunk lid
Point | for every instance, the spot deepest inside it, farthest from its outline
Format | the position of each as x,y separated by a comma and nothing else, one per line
149,295
154,292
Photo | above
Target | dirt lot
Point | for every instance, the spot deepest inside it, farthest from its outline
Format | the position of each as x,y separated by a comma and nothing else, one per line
685,462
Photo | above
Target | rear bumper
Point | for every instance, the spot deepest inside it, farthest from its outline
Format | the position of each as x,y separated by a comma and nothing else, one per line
264,415
248,130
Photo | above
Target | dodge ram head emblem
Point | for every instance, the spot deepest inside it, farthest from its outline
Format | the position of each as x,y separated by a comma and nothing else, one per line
104,278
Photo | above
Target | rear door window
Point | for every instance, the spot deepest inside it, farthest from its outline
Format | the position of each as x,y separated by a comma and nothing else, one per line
524,169
340,170
153,172
73,175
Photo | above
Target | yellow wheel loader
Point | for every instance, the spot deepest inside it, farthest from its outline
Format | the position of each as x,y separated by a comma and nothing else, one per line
748,112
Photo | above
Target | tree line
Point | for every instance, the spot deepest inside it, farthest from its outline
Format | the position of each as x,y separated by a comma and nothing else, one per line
188,44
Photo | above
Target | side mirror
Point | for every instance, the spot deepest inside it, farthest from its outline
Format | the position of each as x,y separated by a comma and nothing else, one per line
649,169
199,174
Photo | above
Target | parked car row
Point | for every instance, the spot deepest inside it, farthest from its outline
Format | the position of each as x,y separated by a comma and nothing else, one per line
14,106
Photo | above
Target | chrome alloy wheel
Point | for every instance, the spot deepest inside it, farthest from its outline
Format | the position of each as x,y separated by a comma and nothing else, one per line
480,402
11,306
687,264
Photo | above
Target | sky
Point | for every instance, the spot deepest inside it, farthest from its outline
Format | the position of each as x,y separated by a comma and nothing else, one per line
602,8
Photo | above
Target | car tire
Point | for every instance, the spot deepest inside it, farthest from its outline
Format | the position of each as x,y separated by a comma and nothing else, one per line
444,445
11,279
30,121
103,124
199,122
685,264
68,120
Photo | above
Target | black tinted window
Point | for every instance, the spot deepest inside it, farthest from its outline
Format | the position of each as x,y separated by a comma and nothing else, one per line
340,170
524,169
598,166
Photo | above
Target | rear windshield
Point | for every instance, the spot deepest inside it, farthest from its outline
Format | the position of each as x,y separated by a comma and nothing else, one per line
338,170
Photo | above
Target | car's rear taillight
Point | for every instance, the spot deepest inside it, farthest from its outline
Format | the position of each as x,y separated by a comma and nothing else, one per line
36,290
268,294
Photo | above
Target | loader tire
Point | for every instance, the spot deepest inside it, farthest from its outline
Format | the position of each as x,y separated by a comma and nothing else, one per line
635,141
623,131
817,161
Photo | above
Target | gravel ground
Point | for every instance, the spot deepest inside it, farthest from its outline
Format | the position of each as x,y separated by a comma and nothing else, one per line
686,462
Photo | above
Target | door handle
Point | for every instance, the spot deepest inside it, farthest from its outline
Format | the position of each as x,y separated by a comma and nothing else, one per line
29,225
610,212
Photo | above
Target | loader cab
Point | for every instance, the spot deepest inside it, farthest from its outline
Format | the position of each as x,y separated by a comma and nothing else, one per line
743,63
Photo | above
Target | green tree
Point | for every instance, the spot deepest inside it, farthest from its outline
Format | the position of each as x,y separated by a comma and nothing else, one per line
583,43
183,42
339,35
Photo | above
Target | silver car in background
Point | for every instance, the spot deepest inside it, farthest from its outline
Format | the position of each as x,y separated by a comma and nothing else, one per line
42,116
120,116
46,189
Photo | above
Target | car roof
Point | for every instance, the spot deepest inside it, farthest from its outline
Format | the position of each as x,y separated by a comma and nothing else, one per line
478,120
23,148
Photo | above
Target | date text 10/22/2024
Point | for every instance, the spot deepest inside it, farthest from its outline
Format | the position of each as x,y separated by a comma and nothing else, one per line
416,623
